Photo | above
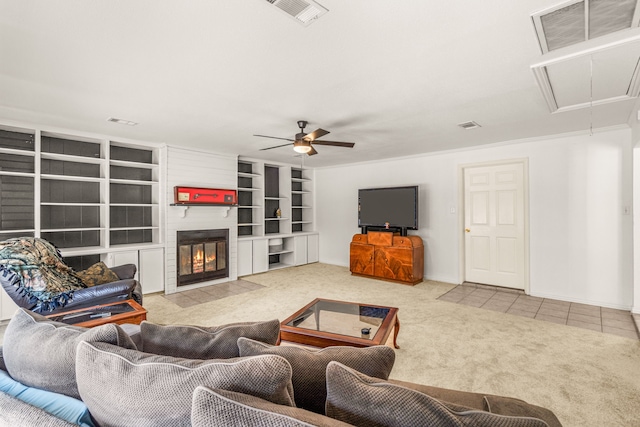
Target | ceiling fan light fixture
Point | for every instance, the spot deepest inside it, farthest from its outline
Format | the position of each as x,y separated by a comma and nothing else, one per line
301,146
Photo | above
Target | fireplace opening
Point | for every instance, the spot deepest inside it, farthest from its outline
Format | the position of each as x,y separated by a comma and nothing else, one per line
202,255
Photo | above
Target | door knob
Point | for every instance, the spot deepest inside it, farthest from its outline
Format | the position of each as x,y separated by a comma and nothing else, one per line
467,230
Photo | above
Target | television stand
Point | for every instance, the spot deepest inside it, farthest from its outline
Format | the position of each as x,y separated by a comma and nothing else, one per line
386,256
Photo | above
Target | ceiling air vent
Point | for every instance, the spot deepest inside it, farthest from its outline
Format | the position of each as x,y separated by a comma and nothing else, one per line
469,125
577,21
121,121
303,11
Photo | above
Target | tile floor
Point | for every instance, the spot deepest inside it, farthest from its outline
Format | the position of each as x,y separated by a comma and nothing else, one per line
607,320
211,293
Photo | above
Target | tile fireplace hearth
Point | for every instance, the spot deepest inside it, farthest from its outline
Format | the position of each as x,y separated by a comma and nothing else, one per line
202,256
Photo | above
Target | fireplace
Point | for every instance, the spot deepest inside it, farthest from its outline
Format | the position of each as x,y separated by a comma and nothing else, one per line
202,256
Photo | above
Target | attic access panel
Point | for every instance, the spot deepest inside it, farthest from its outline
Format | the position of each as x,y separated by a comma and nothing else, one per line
595,72
613,73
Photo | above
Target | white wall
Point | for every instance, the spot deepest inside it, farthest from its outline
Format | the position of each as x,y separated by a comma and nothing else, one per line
581,246
634,123
636,228
188,168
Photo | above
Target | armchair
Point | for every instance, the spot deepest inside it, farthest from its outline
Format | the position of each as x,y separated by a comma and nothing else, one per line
35,277
125,288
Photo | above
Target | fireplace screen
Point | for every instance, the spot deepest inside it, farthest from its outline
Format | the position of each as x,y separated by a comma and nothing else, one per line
202,255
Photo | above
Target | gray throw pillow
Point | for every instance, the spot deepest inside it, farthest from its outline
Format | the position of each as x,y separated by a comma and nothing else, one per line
41,353
360,400
309,366
204,342
222,408
130,388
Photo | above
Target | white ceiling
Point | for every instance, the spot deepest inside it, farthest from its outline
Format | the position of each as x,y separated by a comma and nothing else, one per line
394,77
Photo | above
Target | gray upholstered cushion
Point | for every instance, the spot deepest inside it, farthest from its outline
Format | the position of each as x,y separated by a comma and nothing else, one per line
361,400
518,408
133,331
201,342
222,408
309,366
502,405
131,388
15,412
41,353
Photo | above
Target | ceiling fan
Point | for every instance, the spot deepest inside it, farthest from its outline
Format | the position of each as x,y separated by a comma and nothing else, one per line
303,142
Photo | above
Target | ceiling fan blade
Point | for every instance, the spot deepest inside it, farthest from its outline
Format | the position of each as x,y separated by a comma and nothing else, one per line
318,133
312,152
277,146
274,137
335,143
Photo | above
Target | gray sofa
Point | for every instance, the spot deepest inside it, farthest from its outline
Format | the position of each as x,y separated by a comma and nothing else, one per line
230,375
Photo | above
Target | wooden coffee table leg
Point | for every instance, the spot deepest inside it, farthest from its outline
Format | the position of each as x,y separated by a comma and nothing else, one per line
396,329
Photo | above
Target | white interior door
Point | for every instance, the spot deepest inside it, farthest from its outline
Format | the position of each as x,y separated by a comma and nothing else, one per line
495,225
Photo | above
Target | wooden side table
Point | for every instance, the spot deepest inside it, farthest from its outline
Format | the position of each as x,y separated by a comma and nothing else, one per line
119,312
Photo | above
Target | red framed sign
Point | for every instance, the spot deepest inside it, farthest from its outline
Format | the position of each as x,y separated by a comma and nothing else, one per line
205,196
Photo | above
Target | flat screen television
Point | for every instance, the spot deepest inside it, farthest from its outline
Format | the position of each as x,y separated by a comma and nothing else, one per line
395,208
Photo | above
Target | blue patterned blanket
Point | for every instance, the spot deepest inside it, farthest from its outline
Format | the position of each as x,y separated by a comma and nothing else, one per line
41,273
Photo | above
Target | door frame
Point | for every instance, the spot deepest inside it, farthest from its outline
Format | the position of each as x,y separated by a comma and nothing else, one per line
461,213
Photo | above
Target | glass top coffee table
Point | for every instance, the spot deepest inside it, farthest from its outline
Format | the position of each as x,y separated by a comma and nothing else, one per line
324,323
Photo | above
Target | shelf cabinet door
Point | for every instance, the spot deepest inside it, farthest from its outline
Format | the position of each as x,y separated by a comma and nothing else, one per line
115,259
300,246
313,248
394,263
260,256
361,259
245,258
151,270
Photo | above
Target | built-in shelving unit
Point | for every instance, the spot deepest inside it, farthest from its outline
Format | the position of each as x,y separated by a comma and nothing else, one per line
281,252
90,197
17,183
72,175
275,216
250,199
301,201
277,199
134,195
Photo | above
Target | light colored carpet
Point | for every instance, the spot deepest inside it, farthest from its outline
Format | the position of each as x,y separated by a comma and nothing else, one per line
587,378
